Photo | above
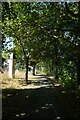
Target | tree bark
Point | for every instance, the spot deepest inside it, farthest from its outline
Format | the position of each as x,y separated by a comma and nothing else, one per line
13,68
56,62
78,70
27,60
0,52
34,69
51,69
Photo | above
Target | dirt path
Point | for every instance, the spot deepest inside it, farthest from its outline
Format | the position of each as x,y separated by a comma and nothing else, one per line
39,100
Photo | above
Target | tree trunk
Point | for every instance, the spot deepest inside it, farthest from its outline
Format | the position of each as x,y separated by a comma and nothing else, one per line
78,68
13,68
51,69
0,53
27,60
56,62
34,69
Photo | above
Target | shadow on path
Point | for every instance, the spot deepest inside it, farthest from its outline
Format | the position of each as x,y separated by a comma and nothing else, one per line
49,102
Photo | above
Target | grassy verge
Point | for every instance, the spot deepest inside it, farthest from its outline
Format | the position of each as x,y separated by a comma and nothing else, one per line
17,82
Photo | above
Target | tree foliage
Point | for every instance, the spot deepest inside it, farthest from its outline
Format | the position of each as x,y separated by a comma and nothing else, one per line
51,33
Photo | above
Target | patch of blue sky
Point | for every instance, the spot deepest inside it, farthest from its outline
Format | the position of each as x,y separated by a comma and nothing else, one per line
9,43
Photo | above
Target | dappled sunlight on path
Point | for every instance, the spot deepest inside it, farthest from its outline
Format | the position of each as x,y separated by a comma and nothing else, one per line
40,99
33,82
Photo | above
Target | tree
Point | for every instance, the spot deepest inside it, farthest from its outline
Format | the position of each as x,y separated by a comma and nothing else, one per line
76,32
48,31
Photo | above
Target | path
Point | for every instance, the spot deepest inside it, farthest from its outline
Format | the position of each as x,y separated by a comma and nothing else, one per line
42,101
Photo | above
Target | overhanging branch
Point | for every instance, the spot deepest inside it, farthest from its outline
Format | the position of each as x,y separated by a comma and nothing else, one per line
70,12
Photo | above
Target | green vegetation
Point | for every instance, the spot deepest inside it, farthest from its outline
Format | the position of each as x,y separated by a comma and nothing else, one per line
51,33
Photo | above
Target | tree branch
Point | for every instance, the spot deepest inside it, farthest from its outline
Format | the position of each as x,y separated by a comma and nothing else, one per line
70,12
23,49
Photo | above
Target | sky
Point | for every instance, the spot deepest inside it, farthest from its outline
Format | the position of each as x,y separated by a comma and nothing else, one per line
9,43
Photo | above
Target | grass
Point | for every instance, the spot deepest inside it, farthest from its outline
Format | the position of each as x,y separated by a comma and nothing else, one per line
17,82
46,102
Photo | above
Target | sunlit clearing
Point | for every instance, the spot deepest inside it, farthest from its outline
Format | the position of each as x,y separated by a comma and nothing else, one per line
32,86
